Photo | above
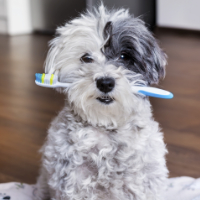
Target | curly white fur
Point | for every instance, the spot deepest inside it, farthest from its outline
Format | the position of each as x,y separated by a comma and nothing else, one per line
103,151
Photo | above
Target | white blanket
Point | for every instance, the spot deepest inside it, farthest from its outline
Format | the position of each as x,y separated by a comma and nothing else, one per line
181,188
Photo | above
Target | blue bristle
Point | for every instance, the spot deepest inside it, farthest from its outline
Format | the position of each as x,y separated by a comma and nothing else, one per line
38,77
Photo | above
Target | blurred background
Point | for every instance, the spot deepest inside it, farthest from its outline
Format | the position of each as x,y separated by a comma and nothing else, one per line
26,26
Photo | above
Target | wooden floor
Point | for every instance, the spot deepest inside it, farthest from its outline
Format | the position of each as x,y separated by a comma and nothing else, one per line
26,109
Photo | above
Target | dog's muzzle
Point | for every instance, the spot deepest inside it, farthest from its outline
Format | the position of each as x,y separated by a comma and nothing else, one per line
105,85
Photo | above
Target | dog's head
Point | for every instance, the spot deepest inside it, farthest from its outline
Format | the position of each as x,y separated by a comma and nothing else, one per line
103,54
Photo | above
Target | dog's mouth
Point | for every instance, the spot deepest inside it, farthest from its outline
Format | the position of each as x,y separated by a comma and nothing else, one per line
105,99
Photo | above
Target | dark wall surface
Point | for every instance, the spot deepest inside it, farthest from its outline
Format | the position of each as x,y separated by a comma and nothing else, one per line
145,9
48,14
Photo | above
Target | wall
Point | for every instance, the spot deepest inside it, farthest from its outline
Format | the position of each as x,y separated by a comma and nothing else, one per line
48,14
15,17
179,14
143,8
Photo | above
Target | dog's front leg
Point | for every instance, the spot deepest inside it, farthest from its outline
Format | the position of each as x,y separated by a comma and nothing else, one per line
42,189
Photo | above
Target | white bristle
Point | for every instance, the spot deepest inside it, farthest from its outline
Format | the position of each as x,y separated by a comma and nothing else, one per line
55,79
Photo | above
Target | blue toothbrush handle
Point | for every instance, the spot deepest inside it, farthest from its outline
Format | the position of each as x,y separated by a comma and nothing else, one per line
154,92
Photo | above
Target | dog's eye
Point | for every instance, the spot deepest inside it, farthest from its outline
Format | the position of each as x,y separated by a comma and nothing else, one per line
87,58
124,56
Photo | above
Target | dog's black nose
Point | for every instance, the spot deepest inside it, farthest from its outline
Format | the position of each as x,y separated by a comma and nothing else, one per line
105,84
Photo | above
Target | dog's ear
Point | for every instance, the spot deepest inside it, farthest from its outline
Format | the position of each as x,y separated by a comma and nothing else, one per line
132,37
50,65
149,57
155,60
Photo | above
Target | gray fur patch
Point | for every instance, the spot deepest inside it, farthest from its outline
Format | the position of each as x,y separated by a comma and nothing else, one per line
129,37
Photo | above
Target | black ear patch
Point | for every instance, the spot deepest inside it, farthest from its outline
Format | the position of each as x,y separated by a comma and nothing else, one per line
130,44
107,33
107,30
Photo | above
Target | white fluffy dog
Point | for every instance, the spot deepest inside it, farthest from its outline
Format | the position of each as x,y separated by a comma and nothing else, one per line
104,144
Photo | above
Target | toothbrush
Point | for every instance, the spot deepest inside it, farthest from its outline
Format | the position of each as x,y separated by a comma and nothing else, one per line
51,81
153,92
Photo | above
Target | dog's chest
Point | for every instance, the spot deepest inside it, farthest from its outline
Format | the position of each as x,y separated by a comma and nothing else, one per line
85,158
99,153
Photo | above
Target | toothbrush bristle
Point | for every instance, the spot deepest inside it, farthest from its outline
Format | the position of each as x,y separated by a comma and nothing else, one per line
38,77
48,79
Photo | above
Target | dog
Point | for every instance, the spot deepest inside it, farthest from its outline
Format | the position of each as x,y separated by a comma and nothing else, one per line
104,144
